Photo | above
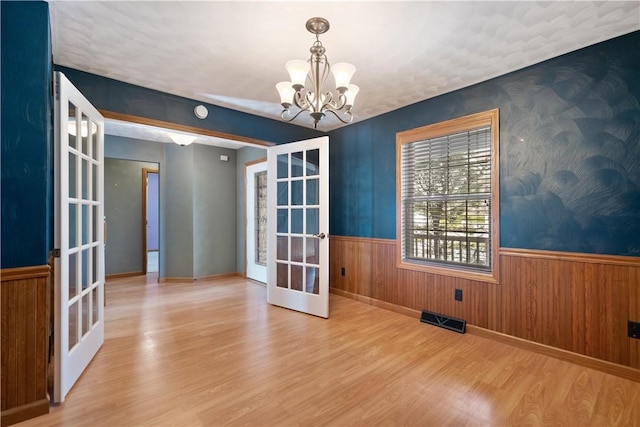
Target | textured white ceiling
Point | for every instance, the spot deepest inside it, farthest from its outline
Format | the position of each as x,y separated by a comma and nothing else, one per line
233,53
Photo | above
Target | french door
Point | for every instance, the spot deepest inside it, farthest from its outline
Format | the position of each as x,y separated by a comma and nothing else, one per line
256,220
79,235
298,224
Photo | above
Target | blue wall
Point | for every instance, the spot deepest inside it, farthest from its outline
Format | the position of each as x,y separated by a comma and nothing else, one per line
569,154
27,148
116,96
571,184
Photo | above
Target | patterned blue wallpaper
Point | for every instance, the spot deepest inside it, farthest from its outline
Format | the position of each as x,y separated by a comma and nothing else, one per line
569,154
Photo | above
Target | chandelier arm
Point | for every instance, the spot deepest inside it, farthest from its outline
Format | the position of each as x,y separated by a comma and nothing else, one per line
287,111
342,99
347,112
301,101
331,104
308,98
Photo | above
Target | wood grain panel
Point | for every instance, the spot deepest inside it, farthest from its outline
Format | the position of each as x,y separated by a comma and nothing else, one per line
9,393
25,320
371,272
634,315
574,302
570,304
535,300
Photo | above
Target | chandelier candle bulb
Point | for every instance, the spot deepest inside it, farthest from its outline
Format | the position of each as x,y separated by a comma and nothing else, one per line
351,95
342,73
298,70
286,91
315,98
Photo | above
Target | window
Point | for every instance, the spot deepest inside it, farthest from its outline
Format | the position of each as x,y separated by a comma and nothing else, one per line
260,216
447,191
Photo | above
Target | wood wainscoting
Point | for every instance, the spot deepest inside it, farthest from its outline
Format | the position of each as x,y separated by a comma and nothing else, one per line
573,302
580,303
25,329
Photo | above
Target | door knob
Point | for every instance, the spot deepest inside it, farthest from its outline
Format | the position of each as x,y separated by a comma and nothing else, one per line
320,236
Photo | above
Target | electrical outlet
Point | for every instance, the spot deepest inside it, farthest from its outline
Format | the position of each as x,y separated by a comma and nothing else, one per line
458,295
343,271
634,329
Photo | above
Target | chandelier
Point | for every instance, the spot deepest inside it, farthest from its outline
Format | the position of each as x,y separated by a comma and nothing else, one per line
315,70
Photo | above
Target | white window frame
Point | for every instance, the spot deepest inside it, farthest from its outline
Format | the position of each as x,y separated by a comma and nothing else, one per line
452,127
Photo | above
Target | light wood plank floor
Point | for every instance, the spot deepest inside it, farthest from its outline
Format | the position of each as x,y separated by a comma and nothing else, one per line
215,353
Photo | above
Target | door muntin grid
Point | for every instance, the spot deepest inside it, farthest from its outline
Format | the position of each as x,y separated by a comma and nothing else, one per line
83,238
298,221
79,235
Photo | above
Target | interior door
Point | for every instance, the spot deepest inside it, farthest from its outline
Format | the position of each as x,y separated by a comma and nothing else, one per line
298,218
256,220
79,235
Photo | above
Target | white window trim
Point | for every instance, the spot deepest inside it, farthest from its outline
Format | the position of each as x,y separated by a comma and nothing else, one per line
449,127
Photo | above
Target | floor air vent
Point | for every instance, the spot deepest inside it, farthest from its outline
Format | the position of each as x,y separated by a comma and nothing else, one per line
453,324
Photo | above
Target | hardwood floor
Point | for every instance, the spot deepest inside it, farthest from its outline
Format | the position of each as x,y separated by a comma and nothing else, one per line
215,353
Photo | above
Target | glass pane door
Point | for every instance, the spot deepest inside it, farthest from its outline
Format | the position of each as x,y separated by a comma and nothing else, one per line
79,292
298,256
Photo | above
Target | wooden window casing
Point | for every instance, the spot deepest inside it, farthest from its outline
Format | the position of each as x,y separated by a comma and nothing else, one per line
471,259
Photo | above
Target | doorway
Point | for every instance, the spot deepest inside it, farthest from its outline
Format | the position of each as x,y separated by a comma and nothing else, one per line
125,198
150,220
256,220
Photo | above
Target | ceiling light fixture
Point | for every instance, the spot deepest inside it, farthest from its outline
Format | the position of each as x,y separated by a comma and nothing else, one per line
84,128
316,70
182,138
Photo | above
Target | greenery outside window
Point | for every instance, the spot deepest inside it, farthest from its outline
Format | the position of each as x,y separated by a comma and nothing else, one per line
447,190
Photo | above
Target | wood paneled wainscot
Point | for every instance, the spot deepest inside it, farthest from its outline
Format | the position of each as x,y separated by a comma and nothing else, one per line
25,320
562,301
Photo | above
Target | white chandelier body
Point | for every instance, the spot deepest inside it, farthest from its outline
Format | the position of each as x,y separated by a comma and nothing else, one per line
313,98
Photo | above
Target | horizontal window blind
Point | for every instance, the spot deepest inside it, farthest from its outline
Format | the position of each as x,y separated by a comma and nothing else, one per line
446,199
